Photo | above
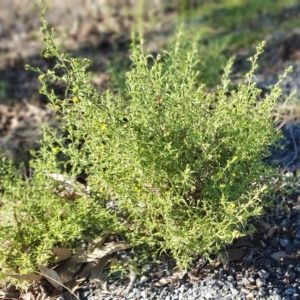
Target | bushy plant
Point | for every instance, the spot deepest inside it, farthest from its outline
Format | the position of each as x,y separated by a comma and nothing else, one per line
170,166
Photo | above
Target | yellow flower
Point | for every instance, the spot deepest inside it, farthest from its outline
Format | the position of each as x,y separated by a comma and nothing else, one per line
222,186
54,150
136,189
232,205
56,107
103,126
75,99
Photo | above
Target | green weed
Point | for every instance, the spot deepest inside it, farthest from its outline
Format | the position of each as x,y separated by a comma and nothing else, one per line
164,164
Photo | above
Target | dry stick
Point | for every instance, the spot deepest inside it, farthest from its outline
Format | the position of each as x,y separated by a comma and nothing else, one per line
132,277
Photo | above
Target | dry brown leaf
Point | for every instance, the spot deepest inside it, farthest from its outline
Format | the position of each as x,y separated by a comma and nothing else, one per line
75,284
29,277
159,274
237,254
51,276
68,269
9,295
98,267
173,279
271,230
61,253
239,248
99,252
98,241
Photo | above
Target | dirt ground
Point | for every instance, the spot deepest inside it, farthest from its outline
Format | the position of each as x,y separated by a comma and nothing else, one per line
95,29
90,28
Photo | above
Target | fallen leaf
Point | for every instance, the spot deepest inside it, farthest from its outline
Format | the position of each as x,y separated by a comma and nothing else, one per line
68,269
237,254
29,277
61,253
9,295
173,279
278,255
51,276
239,249
159,274
98,267
99,252
271,230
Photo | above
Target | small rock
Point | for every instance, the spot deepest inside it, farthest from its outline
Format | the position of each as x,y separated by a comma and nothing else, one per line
250,296
262,292
261,282
232,271
210,293
290,291
268,263
279,273
234,292
276,291
144,279
290,274
297,268
146,268
278,255
264,274
284,242
297,234
144,294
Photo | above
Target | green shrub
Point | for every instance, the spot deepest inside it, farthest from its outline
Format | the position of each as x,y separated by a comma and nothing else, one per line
171,167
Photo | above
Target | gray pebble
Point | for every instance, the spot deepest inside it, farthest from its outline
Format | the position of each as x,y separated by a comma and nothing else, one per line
146,268
263,273
261,282
234,292
284,242
290,291
297,234
262,292
250,296
144,294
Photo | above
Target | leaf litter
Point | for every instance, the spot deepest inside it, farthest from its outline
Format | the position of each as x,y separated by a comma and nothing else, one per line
71,269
